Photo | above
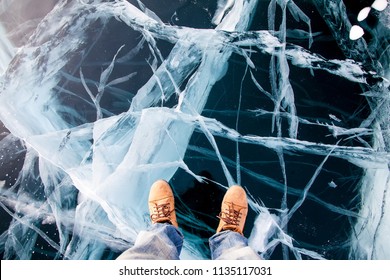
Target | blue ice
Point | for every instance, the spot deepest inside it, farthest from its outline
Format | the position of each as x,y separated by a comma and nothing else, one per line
91,144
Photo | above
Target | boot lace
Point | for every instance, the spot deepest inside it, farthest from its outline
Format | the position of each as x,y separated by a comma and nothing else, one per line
231,216
162,212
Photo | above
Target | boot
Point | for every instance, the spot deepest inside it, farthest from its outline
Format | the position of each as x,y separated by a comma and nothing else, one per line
234,210
162,204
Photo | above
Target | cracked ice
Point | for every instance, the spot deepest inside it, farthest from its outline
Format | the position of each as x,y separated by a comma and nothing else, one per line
93,129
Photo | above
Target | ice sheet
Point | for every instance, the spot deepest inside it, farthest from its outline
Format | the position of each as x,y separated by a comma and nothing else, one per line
88,166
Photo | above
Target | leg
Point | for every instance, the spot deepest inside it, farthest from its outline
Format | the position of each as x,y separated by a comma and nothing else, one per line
230,245
163,240
229,241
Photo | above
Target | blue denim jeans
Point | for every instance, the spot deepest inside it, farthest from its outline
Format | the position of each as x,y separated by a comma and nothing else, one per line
164,241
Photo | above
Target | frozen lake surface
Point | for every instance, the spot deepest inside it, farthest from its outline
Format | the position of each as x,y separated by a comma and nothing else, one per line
98,99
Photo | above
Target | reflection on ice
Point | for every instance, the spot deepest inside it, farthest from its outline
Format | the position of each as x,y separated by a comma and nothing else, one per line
92,128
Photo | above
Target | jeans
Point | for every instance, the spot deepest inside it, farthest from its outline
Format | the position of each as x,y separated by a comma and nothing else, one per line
164,241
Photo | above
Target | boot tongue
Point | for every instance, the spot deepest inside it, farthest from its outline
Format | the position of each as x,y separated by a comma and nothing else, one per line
232,228
163,220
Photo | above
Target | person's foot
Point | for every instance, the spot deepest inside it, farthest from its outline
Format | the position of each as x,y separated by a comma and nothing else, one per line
234,210
162,204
